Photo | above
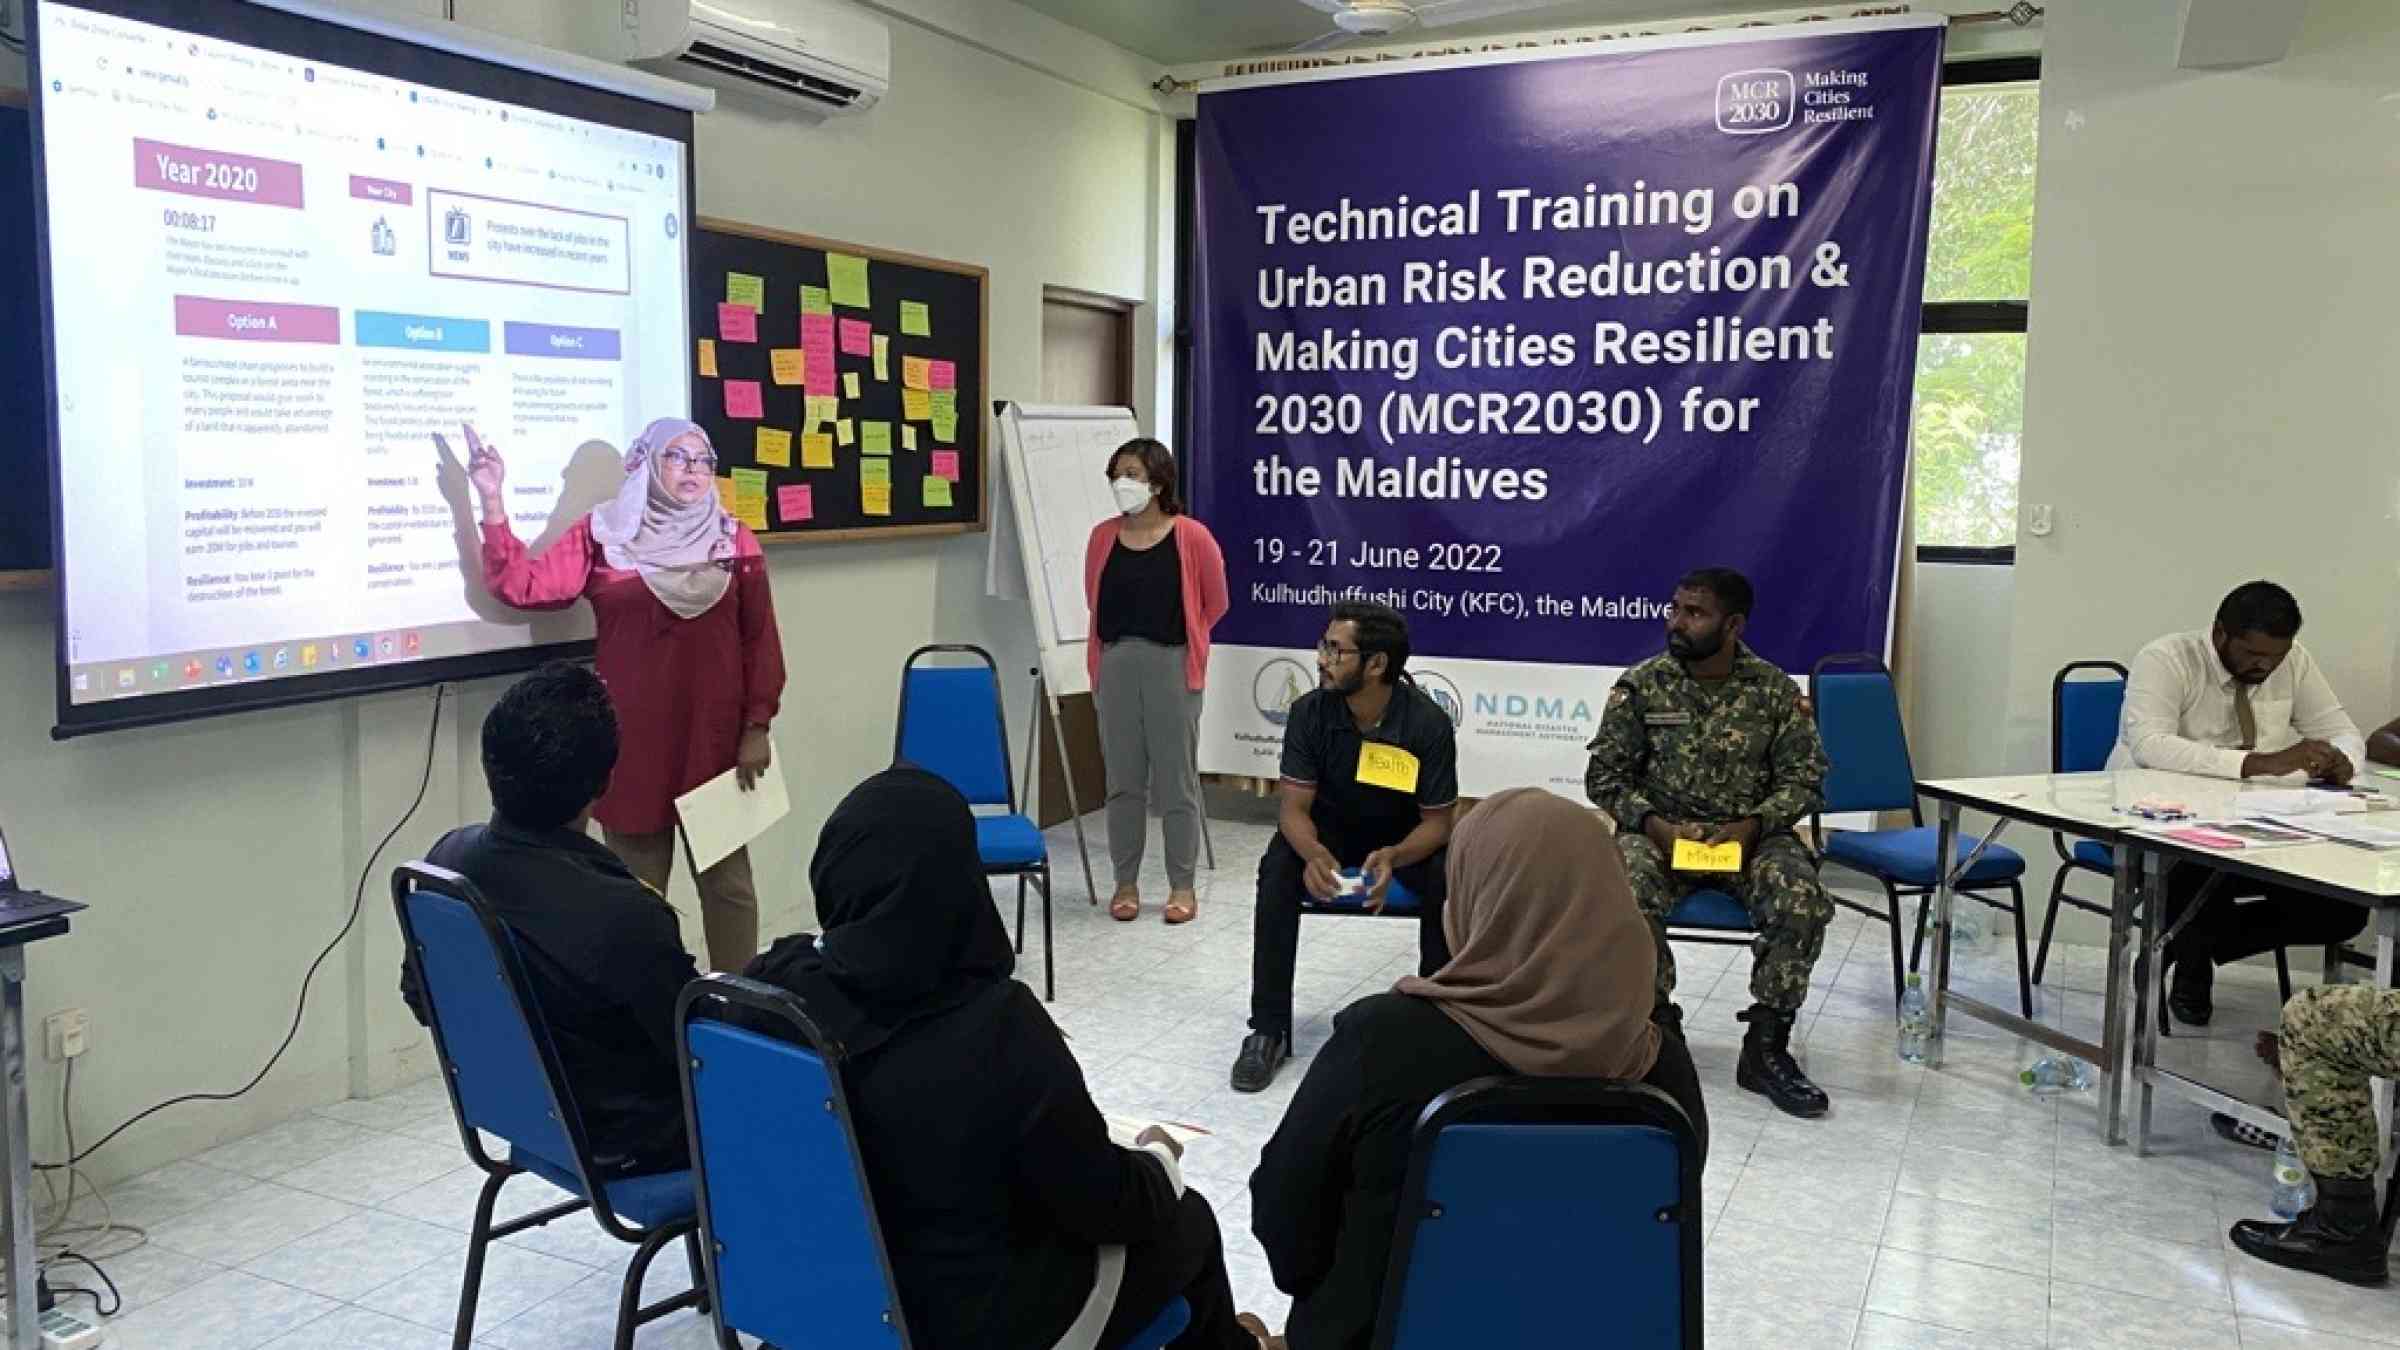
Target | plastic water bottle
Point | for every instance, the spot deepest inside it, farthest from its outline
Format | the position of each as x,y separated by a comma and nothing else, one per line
2058,1073
2295,1190
1966,926
1916,1022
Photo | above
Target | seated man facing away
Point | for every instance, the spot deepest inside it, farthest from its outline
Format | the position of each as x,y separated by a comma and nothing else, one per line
1009,1217
1709,743
2241,700
1370,774
2335,1038
601,950
1552,978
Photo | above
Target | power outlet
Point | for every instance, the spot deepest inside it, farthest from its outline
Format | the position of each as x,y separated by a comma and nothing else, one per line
66,1034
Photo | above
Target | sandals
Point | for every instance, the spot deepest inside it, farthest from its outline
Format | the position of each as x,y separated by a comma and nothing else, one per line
1126,907
1182,907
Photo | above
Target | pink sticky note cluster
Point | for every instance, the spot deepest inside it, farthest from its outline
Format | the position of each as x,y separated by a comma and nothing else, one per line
737,323
796,502
945,464
743,398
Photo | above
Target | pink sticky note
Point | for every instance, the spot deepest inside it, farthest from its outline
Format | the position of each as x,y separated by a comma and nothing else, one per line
945,464
943,375
796,502
744,399
858,338
737,323
816,335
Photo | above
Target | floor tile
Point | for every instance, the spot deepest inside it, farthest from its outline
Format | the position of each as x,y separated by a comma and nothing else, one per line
232,1311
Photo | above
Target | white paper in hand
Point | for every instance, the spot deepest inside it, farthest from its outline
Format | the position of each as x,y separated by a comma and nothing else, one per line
718,817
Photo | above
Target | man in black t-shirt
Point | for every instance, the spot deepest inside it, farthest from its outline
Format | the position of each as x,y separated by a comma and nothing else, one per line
1370,774
602,951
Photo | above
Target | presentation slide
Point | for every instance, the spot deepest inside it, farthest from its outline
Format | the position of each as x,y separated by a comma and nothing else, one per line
279,287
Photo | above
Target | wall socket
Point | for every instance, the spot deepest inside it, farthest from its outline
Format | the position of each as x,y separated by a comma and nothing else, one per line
66,1034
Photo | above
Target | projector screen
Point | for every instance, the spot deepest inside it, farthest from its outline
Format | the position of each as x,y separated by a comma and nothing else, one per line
284,261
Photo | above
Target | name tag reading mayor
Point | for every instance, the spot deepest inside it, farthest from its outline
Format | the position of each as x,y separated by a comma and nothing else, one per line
1693,856
1387,766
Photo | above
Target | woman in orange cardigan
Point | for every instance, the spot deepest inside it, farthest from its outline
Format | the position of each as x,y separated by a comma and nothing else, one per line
1155,581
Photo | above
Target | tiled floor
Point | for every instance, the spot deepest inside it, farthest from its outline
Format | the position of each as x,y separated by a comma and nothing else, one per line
1930,1210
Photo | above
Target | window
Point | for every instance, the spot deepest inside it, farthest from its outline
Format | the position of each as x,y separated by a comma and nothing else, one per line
1969,420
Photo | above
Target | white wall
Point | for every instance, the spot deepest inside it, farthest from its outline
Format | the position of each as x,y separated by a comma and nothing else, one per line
220,856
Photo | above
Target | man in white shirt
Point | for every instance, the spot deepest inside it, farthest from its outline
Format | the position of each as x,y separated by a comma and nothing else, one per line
2242,700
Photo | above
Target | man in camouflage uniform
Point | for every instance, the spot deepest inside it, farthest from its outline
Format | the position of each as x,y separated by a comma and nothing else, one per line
2335,1038
1708,742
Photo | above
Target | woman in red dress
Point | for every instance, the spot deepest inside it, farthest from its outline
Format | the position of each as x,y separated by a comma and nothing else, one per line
686,644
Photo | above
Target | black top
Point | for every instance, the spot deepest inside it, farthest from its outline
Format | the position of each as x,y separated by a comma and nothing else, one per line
1141,593
1326,1195
1321,743
605,961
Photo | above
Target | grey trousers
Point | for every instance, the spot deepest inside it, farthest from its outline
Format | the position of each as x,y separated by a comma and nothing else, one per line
728,895
1149,736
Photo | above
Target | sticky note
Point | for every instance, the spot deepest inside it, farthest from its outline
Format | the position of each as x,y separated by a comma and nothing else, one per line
883,357
875,501
908,438
822,408
816,450
937,492
1386,766
708,358
875,438
816,300
796,502
743,398
916,405
915,319
945,429
916,372
846,277
736,323
850,384
774,447
725,493
875,472
845,432
741,288
816,333
944,374
1693,856
858,338
945,403
945,464
750,497
790,365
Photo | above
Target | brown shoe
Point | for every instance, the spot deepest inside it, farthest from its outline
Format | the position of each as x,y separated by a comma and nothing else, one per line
1249,1322
1182,907
1127,906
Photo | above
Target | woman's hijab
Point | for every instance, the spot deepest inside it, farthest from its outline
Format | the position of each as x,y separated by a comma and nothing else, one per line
909,926
1554,970
684,551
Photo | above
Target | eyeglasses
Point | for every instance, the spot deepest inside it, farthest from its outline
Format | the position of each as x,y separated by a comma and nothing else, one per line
1332,652
686,459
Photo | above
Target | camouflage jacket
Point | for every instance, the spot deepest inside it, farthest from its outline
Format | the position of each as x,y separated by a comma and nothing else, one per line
1697,752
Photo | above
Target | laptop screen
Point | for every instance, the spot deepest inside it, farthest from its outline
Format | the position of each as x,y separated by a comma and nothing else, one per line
8,871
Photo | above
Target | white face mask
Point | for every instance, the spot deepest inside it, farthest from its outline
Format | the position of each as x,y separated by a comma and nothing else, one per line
1132,494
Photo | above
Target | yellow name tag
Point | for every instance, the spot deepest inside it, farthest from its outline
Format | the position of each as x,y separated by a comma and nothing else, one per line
1693,856
1387,766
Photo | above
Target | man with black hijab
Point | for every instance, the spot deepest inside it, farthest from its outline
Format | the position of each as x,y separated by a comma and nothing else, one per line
1010,1218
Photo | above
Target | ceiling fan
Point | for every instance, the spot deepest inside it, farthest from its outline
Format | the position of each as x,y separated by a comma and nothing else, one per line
1383,18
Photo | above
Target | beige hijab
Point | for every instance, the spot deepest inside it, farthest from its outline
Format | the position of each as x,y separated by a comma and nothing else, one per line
1554,969
684,552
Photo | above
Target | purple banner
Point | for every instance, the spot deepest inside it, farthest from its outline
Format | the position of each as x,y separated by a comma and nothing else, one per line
1511,346
572,344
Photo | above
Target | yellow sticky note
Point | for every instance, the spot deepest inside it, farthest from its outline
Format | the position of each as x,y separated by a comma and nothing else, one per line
1693,856
816,300
845,432
708,357
937,492
916,405
750,497
945,429
725,493
816,450
846,277
916,372
741,288
883,357
1387,766
915,319
875,472
822,408
774,447
875,501
908,438
790,365
849,384
875,438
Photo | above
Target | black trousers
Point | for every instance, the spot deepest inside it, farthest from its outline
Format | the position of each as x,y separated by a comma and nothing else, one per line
1275,946
2244,917
1186,1262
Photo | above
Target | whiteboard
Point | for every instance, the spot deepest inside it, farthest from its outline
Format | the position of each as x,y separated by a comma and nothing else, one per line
1054,469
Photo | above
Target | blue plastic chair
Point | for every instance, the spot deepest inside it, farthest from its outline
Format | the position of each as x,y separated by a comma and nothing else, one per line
504,1079
1858,715
951,724
2084,715
1519,1190
792,1251
1711,917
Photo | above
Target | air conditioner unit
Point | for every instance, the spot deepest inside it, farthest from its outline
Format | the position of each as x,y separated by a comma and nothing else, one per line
830,55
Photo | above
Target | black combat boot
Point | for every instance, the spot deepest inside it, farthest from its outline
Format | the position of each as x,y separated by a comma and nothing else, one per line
2341,1237
1767,1066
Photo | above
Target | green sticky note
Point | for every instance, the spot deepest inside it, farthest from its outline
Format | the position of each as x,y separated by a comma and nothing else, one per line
937,491
915,319
945,429
846,277
945,404
875,438
741,288
876,472
816,300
